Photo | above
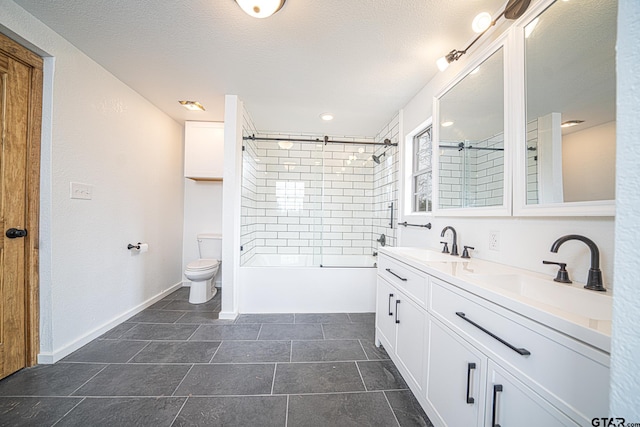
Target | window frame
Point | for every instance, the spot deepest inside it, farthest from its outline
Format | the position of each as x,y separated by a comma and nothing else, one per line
415,173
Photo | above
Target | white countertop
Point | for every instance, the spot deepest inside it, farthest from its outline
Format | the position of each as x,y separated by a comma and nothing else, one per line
567,308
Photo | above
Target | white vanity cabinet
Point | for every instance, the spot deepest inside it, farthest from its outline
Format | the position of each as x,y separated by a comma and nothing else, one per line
203,150
481,363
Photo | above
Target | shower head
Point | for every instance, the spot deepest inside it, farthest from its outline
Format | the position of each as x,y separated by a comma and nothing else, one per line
377,158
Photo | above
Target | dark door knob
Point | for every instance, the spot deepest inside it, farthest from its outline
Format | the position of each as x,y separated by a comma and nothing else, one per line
13,233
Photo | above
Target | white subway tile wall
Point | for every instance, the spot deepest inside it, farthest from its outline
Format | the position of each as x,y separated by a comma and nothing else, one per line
315,198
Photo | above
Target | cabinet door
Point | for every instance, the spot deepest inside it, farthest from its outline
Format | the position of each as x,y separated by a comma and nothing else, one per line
204,150
456,374
386,296
511,403
411,334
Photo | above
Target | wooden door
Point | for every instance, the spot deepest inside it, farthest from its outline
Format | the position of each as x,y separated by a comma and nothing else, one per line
20,112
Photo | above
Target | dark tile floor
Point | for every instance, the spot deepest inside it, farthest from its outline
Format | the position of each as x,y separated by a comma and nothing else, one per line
177,364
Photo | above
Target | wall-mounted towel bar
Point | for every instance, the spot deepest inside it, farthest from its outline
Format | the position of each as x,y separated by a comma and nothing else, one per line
406,224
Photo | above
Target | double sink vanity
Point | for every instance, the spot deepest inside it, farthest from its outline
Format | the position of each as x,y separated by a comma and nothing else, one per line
484,344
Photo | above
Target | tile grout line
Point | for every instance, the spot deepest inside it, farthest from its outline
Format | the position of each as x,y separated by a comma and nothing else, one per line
322,329
193,333
139,351
215,352
365,351
361,377
286,413
259,332
173,394
291,352
391,407
273,381
180,410
67,413
92,377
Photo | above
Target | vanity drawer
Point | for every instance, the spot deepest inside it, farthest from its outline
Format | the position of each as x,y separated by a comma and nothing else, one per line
568,373
413,282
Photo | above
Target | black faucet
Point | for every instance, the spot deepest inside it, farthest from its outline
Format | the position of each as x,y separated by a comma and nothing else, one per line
594,279
454,240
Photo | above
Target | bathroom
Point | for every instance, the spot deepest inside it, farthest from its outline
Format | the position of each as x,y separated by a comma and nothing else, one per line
150,200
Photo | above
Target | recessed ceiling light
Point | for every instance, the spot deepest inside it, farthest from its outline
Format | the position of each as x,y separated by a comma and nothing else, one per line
570,123
446,124
481,22
326,117
260,8
192,105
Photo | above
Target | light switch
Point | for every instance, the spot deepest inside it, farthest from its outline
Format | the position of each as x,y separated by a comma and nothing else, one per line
81,191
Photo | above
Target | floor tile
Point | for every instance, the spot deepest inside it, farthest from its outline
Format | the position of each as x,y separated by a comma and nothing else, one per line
349,331
116,332
322,318
253,351
177,352
226,332
317,378
327,351
181,293
60,379
290,332
381,375
159,305
202,318
135,380
407,409
34,411
344,410
368,318
265,318
150,331
242,379
106,351
139,412
373,352
156,316
185,305
262,411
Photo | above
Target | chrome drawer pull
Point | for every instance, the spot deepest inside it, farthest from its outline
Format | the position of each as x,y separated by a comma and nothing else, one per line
520,351
401,278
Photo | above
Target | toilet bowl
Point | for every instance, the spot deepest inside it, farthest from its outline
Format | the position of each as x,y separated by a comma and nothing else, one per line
201,273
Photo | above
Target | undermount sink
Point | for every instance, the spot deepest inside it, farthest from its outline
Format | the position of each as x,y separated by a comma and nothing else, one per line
572,299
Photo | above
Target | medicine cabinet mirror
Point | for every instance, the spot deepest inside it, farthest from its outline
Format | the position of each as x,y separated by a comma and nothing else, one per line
469,151
566,164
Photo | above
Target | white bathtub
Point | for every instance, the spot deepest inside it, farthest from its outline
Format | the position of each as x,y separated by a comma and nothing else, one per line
271,283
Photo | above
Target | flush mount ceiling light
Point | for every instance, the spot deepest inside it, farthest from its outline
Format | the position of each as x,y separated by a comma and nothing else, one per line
285,145
513,10
260,8
570,123
327,117
192,105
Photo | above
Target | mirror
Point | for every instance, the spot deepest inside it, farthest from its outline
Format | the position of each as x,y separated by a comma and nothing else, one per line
570,83
470,143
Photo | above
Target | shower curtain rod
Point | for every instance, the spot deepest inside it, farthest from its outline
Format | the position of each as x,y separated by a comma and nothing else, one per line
461,147
326,140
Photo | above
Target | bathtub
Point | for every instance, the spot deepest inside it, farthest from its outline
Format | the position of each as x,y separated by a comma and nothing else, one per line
282,283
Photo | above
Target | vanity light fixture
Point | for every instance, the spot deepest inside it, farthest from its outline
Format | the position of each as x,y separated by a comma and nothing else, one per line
481,22
327,117
192,105
570,123
260,8
513,10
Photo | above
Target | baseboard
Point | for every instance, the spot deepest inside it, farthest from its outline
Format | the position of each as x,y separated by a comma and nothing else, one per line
227,315
53,357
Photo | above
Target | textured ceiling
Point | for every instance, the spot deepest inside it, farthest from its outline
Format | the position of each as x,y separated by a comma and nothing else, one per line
362,60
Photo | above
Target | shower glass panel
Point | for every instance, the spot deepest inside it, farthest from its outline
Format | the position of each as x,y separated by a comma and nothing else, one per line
309,203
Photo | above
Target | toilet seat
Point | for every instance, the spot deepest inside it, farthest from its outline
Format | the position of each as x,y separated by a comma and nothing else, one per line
202,264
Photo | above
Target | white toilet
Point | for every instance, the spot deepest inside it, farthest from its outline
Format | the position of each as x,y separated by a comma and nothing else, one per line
201,272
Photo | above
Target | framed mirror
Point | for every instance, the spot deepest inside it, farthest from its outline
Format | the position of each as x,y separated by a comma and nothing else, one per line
470,160
566,164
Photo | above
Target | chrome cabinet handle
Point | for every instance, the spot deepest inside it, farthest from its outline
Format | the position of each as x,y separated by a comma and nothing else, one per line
520,351
401,278
497,388
470,367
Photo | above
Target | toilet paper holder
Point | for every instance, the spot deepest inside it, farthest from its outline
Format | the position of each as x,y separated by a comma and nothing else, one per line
130,246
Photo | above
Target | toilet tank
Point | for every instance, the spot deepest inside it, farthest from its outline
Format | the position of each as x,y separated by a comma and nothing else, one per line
210,246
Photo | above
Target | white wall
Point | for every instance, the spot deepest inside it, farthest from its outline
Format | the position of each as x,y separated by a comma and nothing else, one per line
202,214
100,132
625,351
